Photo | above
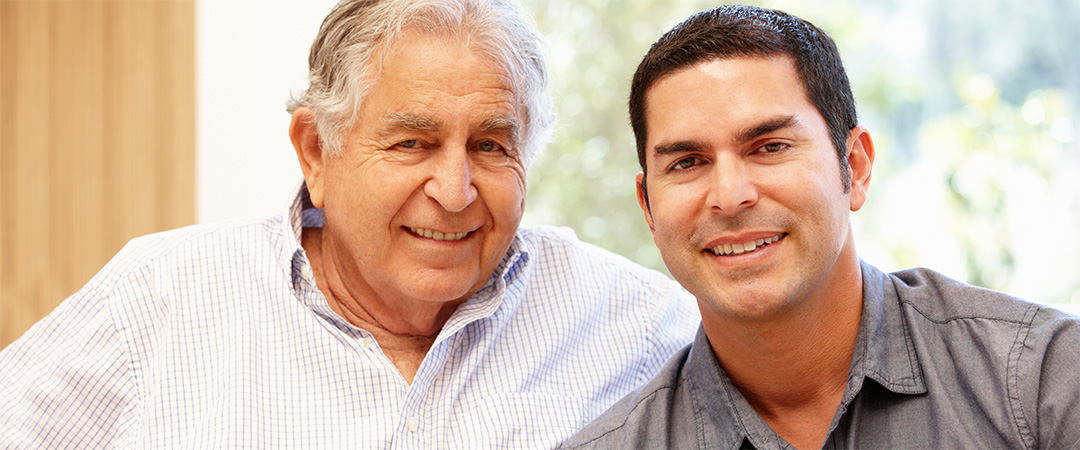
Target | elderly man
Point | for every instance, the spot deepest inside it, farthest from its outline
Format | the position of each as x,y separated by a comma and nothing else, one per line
394,304
753,161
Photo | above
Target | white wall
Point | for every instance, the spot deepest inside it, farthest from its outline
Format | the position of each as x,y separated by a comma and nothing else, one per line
250,56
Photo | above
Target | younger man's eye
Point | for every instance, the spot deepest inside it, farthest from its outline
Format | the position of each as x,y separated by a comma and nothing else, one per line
685,163
773,147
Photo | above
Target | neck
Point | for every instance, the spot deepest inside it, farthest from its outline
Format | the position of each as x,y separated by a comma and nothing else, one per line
770,360
404,329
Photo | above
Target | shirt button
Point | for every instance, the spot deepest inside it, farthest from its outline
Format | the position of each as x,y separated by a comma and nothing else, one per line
308,274
367,343
412,424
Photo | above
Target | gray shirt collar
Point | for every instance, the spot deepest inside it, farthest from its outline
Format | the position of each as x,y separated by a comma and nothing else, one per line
884,352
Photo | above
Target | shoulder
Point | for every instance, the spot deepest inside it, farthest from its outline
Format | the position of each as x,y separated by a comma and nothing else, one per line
960,314
229,243
151,272
608,289
645,417
192,240
942,299
558,249
1028,354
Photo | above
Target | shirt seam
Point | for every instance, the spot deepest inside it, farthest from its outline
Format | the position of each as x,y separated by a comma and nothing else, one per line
964,317
626,418
125,338
1023,426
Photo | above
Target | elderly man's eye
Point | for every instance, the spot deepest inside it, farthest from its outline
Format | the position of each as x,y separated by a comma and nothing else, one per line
488,146
411,143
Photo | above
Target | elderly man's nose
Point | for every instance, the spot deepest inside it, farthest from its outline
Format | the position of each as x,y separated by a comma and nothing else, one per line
451,184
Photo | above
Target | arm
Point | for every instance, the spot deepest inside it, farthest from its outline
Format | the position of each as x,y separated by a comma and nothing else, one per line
1049,376
68,381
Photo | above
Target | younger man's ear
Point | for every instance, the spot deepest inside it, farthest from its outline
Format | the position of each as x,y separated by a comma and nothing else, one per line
643,199
305,139
861,163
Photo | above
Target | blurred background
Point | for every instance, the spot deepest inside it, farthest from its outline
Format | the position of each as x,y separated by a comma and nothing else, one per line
974,107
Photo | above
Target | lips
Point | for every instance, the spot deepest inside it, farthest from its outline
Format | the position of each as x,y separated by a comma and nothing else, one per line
438,235
744,247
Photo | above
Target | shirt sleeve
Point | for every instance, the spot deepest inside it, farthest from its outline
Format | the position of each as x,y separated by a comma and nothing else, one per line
67,382
1050,374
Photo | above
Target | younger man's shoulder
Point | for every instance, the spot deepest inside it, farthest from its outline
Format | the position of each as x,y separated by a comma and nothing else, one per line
941,299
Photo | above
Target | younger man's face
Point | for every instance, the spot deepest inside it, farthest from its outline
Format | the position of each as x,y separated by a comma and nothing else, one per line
744,202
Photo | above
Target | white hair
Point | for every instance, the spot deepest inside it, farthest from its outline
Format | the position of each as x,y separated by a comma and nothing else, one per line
342,66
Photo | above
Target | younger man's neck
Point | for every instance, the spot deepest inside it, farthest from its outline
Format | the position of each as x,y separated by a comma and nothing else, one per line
793,370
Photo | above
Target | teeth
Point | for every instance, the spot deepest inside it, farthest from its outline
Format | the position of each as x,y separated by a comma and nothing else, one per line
438,235
738,249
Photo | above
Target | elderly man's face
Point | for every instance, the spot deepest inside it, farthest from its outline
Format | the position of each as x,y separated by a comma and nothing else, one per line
429,189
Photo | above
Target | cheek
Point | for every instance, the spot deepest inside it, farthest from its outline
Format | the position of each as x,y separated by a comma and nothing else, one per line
503,192
368,194
673,209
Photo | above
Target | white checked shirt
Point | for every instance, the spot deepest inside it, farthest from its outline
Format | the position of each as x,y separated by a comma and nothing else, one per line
215,336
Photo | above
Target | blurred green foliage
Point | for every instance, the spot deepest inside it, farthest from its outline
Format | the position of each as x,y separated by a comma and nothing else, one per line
973,106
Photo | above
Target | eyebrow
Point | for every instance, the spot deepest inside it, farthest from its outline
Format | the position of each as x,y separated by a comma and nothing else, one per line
678,147
744,135
506,124
409,122
753,132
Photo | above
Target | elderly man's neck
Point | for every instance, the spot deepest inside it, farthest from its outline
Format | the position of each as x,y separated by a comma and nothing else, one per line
404,330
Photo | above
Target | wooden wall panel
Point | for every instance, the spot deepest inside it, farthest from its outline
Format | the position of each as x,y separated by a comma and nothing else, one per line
97,140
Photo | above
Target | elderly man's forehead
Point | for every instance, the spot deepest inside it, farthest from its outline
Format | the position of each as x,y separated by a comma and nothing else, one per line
496,60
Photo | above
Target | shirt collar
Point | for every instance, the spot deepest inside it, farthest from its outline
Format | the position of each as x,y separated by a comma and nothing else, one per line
884,352
506,279
724,415
501,294
293,226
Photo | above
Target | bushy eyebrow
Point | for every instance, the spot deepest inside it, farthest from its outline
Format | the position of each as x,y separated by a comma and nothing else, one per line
678,147
742,136
409,122
506,124
755,131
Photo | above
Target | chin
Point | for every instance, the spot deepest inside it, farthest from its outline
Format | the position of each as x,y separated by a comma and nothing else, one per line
443,287
748,304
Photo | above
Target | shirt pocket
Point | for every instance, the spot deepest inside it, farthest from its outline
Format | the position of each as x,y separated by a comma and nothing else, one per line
518,420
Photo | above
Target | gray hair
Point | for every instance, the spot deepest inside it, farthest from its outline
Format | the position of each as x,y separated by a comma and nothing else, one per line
342,66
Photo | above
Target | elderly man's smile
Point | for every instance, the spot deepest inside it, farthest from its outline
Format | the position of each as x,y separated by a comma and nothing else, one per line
438,235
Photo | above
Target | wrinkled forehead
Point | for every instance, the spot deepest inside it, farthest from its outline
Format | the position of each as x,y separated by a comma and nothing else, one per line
492,59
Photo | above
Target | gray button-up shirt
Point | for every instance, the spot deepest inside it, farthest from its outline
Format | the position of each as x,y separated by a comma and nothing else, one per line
937,364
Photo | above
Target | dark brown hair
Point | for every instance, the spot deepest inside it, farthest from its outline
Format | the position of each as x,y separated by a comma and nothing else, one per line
733,31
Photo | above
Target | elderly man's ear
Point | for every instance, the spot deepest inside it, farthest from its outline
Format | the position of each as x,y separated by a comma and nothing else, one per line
305,139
